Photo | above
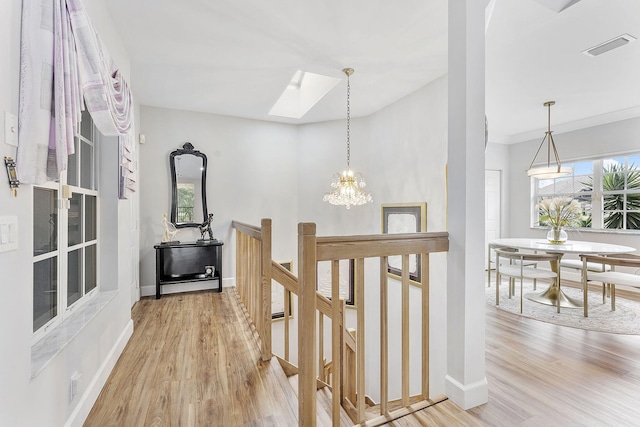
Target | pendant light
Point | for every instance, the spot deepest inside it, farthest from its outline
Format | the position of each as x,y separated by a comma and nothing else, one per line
552,169
347,186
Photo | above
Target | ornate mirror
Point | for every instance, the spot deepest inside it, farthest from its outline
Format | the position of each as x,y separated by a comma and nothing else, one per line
188,187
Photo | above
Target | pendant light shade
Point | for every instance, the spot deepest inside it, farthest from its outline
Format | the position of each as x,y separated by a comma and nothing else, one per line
347,186
553,168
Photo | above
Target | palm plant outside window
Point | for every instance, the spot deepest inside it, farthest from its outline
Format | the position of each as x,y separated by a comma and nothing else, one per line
185,202
608,190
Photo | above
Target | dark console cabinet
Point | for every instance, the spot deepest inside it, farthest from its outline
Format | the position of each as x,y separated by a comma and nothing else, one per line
188,262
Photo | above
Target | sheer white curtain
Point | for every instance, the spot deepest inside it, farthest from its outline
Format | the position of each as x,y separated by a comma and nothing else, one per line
62,60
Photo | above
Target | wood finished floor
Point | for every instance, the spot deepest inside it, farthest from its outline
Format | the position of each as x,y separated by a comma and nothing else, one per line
192,362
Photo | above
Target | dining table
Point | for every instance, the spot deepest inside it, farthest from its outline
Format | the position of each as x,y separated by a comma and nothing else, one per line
553,294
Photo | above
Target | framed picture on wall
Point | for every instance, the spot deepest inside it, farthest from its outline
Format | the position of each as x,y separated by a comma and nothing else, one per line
281,298
404,218
347,277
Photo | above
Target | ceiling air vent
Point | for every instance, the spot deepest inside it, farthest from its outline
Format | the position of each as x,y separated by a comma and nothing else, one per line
609,45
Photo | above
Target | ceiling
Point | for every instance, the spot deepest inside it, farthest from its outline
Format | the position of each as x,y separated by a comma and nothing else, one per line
236,57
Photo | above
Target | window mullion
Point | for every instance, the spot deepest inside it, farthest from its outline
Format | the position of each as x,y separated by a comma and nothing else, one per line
63,245
83,238
597,208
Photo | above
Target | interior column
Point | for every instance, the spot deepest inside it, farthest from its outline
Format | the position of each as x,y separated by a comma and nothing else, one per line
465,383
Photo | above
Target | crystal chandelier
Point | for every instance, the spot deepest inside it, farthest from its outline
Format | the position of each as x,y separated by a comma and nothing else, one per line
347,186
549,171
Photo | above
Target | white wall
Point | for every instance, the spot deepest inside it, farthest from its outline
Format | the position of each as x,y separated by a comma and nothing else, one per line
43,400
251,174
618,137
497,158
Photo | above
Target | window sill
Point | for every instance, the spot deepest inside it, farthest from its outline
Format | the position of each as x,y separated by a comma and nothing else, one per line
595,231
43,352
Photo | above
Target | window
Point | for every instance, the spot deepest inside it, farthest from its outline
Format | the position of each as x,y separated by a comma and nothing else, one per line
186,193
65,236
608,190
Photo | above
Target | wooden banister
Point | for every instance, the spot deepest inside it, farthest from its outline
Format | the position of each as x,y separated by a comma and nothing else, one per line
405,330
250,230
284,277
307,271
337,331
425,324
367,246
323,305
384,336
253,277
265,297
345,372
360,329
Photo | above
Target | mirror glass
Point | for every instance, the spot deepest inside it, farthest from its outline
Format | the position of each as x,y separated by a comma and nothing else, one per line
188,187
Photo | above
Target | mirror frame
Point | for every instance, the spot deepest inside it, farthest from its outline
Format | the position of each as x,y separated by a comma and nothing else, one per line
187,148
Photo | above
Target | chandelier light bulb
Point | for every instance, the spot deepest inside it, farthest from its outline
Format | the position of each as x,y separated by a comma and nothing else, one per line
347,190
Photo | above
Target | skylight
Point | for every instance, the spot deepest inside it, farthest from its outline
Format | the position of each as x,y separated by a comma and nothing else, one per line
302,93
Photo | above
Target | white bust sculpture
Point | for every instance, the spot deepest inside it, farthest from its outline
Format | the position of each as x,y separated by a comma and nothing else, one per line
170,230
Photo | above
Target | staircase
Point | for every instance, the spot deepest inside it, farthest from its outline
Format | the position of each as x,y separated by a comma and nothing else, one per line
323,404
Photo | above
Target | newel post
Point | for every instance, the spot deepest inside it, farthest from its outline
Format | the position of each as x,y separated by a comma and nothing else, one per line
307,324
265,263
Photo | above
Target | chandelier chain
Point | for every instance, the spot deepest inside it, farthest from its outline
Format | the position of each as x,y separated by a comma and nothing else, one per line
348,121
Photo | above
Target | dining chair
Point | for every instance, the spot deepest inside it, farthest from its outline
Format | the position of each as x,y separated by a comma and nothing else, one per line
609,278
576,264
491,261
519,270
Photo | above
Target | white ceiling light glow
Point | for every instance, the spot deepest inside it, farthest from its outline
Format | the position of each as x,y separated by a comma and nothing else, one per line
302,93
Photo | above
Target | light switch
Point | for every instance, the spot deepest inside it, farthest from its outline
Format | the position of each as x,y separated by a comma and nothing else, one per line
13,233
4,233
8,233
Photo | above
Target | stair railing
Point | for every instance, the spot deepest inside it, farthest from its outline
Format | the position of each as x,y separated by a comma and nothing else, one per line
253,277
313,249
345,371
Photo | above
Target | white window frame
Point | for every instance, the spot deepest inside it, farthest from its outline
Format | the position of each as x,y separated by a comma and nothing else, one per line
597,195
64,310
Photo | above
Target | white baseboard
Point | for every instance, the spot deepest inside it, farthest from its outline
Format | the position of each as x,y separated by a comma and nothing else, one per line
467,396
89,397
147,291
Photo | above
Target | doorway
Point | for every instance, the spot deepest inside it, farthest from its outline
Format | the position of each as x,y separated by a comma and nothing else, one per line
492,207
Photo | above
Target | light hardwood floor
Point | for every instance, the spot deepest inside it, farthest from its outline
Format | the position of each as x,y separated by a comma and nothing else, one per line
192,361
